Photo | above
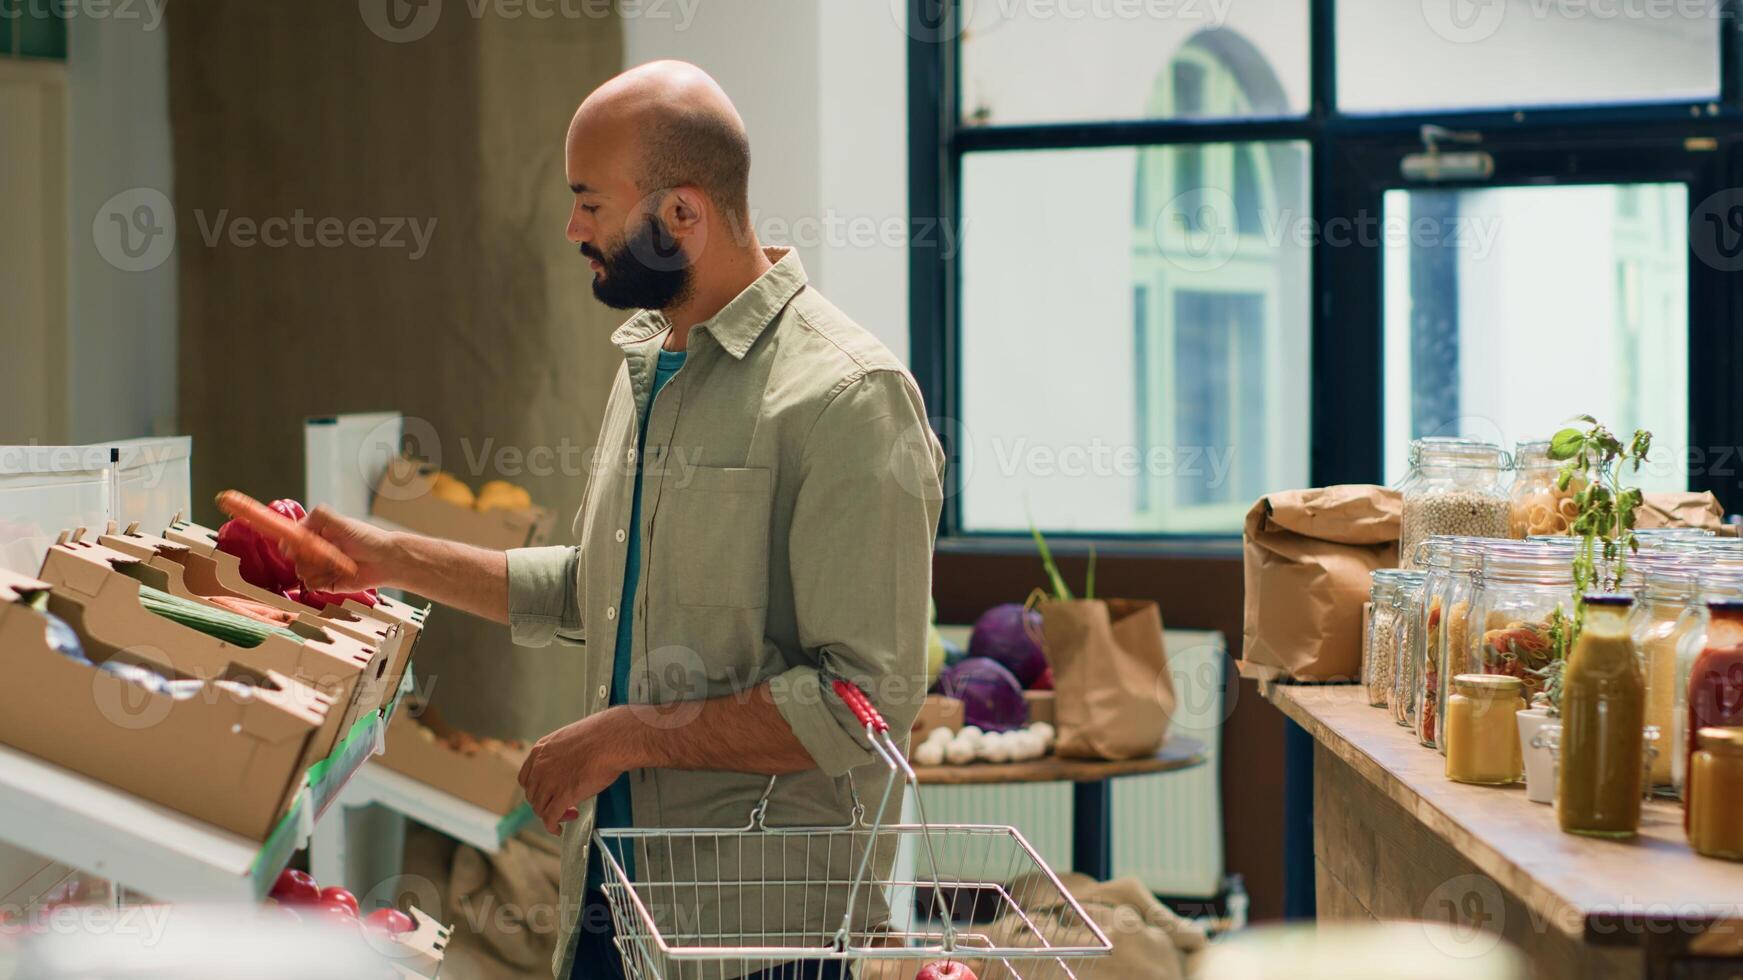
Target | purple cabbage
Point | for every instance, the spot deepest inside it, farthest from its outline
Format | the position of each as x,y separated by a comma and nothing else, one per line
992,700
1003,634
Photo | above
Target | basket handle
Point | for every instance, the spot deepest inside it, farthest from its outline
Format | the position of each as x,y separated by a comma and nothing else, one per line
860,705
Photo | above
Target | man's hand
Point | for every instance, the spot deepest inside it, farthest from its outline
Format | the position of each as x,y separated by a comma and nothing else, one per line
577,762
372,548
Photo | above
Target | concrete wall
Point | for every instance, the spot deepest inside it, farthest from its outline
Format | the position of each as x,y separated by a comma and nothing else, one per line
33,252
822,87
123,321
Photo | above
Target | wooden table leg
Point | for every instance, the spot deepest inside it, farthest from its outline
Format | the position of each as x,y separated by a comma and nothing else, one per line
1092,831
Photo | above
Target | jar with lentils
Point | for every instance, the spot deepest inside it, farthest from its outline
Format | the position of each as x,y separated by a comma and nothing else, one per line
1455,489
1380,644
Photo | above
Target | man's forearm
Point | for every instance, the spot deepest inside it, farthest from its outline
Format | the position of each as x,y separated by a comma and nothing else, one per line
473,580
737,733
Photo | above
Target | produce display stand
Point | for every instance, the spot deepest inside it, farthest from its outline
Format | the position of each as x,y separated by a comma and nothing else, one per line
154,850
345,458
334,854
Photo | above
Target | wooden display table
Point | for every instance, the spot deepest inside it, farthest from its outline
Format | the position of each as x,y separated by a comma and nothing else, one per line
1395,839
1092,809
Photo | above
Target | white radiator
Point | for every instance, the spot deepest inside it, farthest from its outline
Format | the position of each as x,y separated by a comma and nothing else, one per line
1167,826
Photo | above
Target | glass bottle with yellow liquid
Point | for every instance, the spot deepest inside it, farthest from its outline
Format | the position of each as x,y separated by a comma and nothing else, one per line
1603,717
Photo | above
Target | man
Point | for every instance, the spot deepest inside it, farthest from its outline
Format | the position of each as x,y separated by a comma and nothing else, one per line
759,520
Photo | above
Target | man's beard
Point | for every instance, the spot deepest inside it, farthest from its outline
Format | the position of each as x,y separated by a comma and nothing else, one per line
649,271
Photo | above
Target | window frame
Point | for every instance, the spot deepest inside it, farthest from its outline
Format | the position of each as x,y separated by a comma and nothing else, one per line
1353,160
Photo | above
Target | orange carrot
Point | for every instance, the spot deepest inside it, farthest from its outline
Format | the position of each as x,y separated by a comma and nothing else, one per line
306,547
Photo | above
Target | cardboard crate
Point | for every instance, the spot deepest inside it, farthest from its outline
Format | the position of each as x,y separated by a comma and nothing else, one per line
204,541
404,497
937,711
1041,707
202,576
487,778
105,583
236,763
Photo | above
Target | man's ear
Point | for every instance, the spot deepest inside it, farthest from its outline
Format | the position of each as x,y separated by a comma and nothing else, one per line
682,211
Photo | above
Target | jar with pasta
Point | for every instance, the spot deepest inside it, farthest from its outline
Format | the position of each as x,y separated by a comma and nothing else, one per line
1381,643
1538,505
1437,563
1661,582
1407,662
1455,489
1522,600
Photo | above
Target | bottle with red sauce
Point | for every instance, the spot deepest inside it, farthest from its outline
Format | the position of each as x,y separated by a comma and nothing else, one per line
1714,691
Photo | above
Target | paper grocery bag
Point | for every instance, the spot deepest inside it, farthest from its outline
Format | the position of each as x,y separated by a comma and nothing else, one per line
1680,510
1113,695
1308,557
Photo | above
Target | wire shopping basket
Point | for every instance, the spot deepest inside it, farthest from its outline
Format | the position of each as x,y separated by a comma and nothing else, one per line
726,903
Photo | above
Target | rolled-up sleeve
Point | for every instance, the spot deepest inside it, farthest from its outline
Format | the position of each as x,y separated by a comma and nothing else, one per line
860,546
543,606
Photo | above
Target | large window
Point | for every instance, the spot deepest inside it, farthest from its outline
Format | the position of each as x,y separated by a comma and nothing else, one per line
1201,257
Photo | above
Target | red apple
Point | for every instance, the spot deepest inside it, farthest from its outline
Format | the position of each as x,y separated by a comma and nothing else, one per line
333,893
945,970
296,888
337,910
391,921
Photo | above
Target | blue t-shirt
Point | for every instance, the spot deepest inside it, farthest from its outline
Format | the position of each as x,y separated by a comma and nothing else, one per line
614,808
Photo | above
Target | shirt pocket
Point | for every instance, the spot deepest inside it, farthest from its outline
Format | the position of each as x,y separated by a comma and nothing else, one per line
715,528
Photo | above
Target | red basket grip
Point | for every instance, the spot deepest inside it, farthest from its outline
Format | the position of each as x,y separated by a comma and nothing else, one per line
861,707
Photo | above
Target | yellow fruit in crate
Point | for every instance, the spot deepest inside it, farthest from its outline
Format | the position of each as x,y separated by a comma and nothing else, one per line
448,487
503,495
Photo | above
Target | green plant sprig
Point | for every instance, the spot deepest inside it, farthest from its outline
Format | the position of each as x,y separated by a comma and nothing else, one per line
1603,520
1048,565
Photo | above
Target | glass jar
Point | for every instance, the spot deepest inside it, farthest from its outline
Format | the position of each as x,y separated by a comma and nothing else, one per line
1657,624
1715,810
1521,591
1482,738
1537,505
1407,603
1710,663
1455,489
1381,640
1453,654
1603,719
1438,564
1713,584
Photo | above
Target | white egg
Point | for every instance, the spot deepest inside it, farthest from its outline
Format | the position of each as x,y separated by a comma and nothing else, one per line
930,754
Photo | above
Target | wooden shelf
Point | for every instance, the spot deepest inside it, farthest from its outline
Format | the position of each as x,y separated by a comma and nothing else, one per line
1598,892
1179,753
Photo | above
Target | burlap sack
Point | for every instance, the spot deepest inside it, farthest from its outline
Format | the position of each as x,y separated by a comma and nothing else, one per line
1308,556
1680,510
1113,695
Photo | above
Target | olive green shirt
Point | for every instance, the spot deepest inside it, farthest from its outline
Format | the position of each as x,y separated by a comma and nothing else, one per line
791,493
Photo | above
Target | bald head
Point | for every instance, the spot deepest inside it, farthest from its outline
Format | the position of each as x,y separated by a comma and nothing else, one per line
671,125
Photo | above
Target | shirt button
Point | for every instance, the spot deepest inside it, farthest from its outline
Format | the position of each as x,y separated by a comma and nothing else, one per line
620,535
610,612
602,691
630,455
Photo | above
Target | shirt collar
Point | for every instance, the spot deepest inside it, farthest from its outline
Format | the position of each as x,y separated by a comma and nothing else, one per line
739,323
